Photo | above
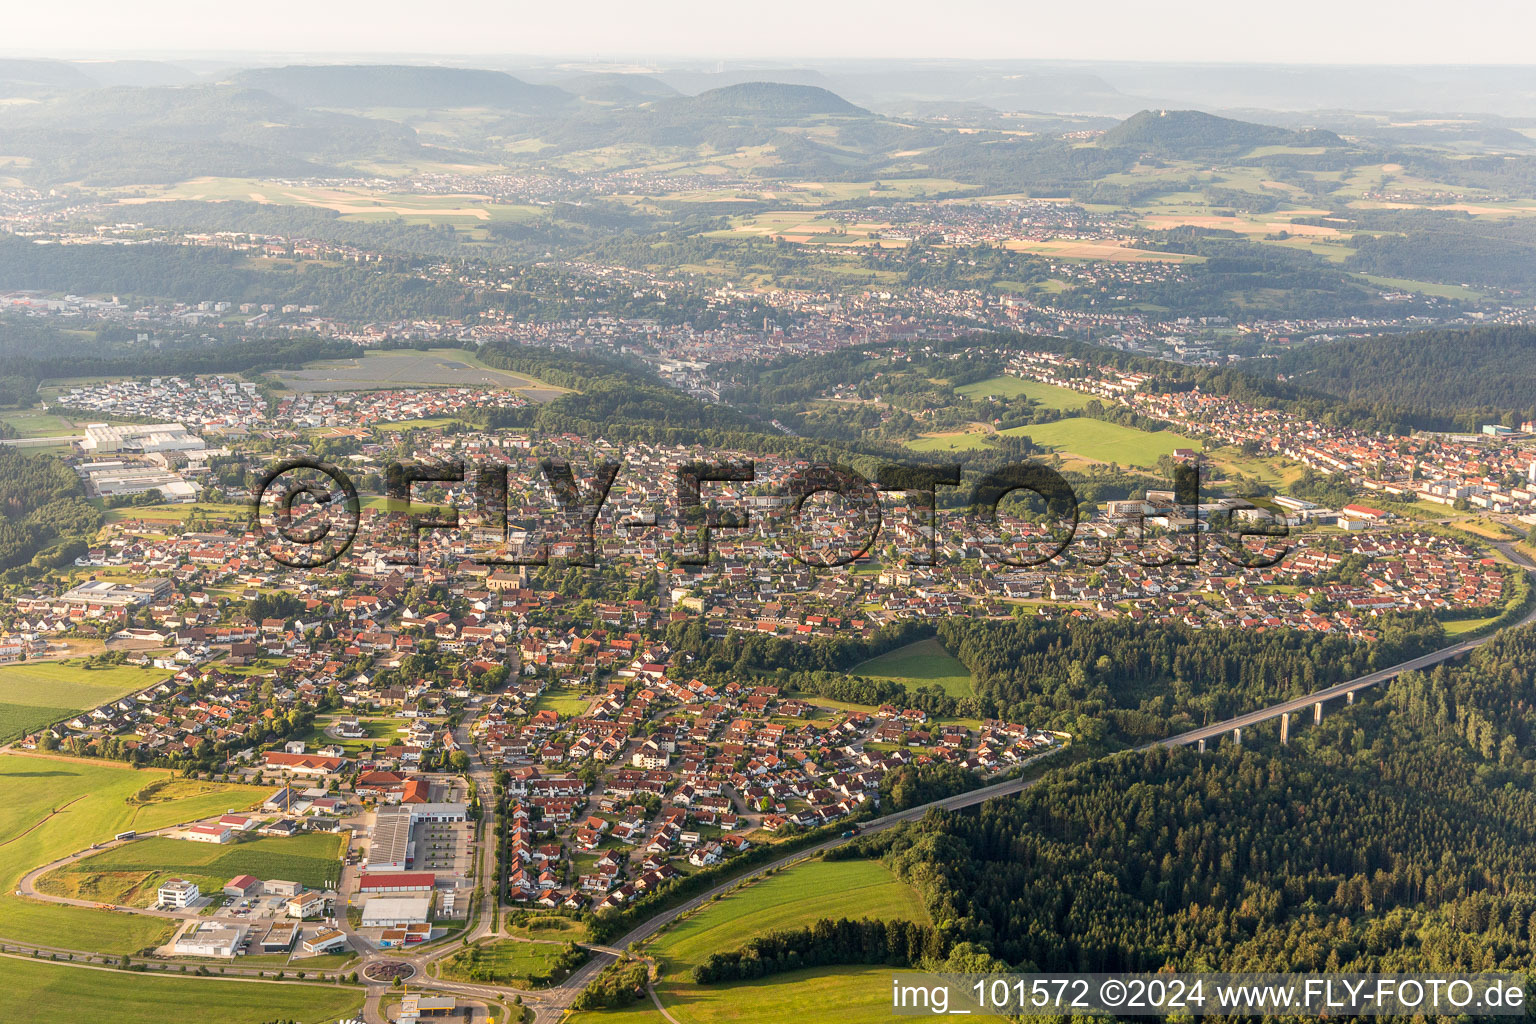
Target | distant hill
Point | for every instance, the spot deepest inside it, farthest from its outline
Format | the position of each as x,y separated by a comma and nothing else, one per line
127,135
615,87
364,86
136,72
1179,133
771,99
34,77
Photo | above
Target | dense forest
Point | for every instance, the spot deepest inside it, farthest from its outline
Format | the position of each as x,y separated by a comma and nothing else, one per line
1446,380
1393,837
47,520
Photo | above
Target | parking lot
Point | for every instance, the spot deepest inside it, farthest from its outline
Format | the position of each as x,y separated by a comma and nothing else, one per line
444,849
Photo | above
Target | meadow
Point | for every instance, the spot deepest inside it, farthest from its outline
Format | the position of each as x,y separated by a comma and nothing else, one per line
1101,441
130,874
39,693
56,806
1048,395
41,993
921,664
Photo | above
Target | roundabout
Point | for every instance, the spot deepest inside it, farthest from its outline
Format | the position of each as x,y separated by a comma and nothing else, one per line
387,971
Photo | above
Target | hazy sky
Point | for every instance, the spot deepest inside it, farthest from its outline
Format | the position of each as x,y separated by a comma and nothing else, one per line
1342,31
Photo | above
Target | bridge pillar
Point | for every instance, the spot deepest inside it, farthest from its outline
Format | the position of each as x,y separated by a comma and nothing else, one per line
1317,713
1202,746
1237,736
1285,729
1349,698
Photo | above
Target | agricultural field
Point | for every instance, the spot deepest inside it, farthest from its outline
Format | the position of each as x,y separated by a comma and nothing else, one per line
56,806
1100,441
404,368
924,663
353,203
37,993
179,512
131,873
790,899
35,694
1048,395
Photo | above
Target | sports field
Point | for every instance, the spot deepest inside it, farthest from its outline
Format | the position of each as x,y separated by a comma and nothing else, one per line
130,874
56,806
1048,395
1101,441
35,694
43,993
921,664
404,368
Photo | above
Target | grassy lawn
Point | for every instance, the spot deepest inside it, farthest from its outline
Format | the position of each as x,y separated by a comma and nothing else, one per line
39,992
1048,395
131,873
507,962
921,664
54,807
566,704
1101,441
35,694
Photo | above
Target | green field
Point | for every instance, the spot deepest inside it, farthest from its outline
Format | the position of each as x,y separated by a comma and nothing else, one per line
1048,395
130,874
1101,441
921,664
790,899
42,993
39,693
405,368
56,806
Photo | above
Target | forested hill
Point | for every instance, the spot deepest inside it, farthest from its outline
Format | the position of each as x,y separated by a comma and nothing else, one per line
362,87
1188,133
1445,380
770,99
